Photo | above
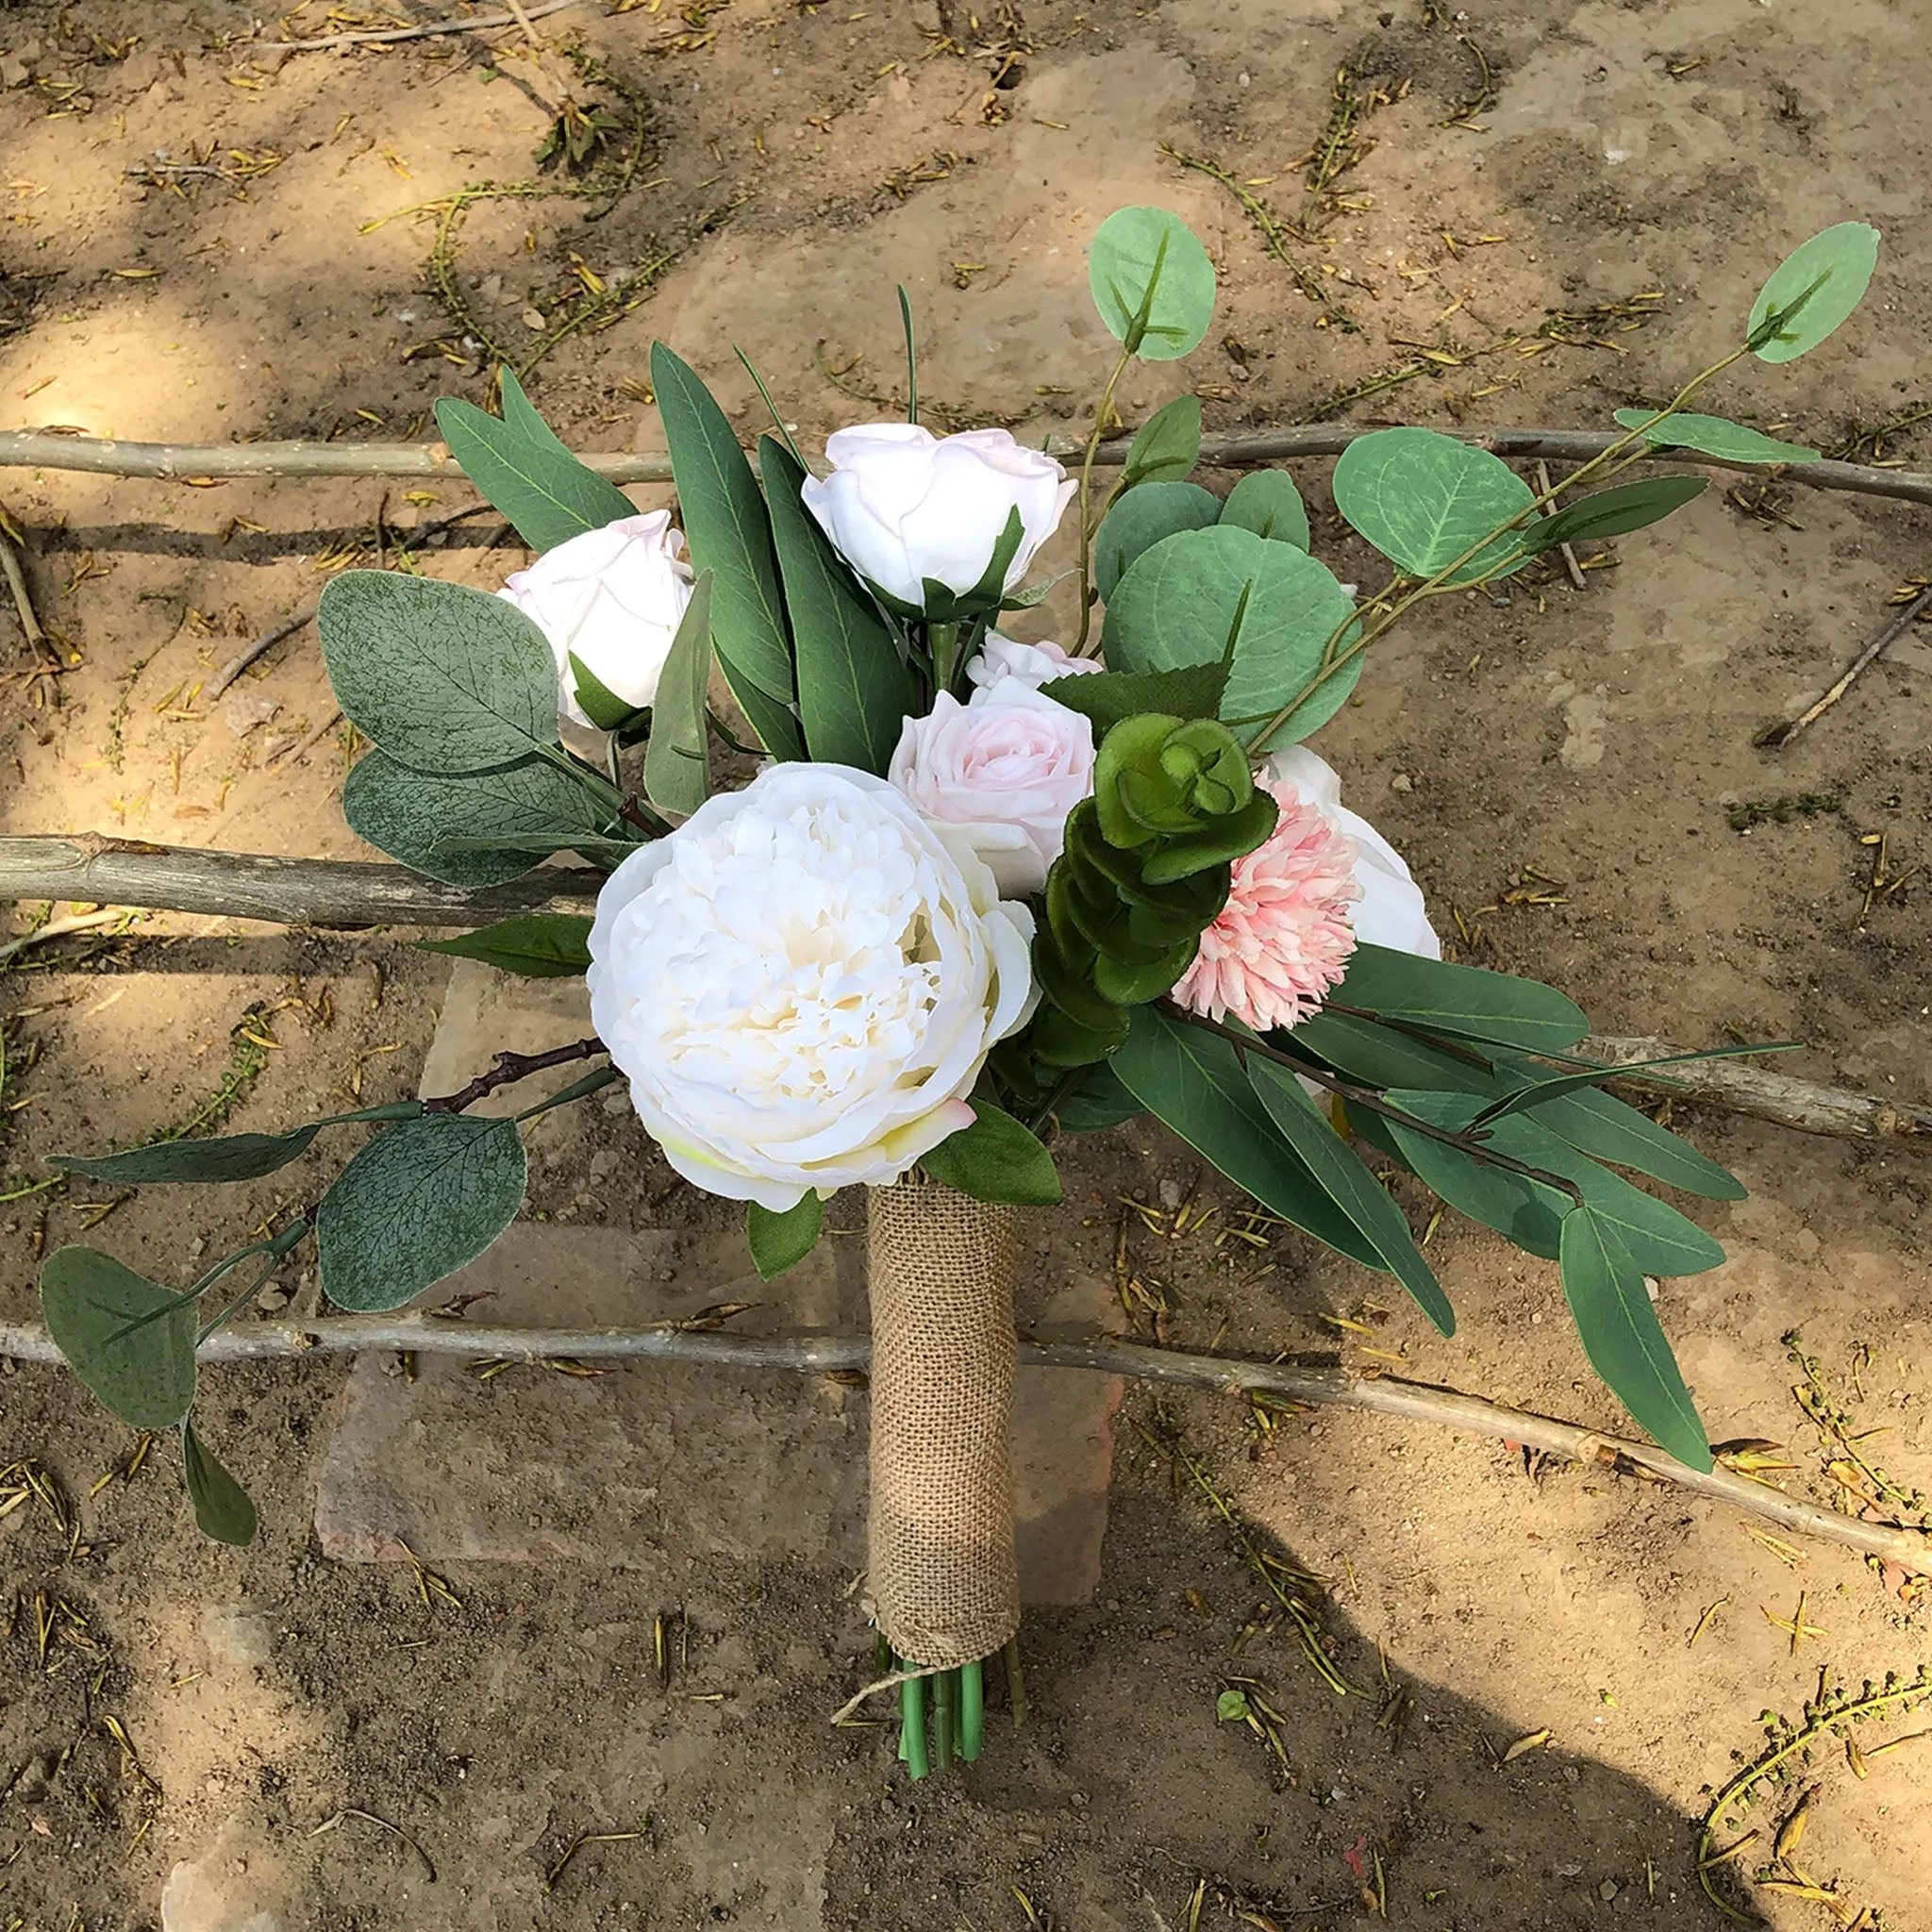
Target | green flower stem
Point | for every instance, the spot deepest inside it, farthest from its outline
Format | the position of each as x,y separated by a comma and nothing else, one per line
944,642
290,1237
971,1710
945,1705
1088,522
1334,654
913,1727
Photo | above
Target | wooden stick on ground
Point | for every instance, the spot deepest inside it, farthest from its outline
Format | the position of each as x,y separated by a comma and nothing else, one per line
1775,737
344,894
40,449
1571,567
22,599
1231,1375
389,36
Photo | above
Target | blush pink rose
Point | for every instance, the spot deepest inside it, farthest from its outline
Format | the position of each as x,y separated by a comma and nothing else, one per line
1004,770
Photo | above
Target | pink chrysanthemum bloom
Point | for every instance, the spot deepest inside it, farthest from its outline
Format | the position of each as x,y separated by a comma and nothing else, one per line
1284,937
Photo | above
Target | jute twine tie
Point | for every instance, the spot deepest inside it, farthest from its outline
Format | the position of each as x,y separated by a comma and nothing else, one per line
942,1581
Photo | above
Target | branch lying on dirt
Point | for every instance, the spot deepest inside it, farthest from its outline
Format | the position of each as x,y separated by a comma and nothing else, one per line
287,892
92,870
821,1354
1775,737
37,449
476,23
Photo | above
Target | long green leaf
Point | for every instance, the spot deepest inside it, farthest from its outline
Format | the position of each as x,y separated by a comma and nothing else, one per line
1660,1239
1599,1124
1351,1186
223,1510
417,1203
441,677
1537,1091
1623,1337
540,945
677,768
854,688
518,464
1614,512
1375,1054
1194,1083
128,1339
232,1158
727,527
1714,436
1461,1000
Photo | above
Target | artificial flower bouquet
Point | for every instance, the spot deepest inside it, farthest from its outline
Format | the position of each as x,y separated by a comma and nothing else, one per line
980,893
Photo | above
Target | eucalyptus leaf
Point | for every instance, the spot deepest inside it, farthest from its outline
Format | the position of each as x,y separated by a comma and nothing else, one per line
1375,1054
1660,1239
1714,436
223,1510
539,945
854,688
1422,499
1461,1000
730,534
232,1158
1152,282
1168,446
128,1339
441,677
995,1159
1141,519
1812,290
421,1200
1267,503
520,466
1615,511
1350,1186
677,768
412,815
1193,1080
782,1240
1623,1337
1269,610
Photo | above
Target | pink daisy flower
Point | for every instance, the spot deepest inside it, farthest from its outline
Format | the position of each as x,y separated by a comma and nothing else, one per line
1285,935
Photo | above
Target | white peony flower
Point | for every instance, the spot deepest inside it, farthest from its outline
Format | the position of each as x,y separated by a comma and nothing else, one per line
614,597
903,505
1003,657
1389,911
801,983
1006,770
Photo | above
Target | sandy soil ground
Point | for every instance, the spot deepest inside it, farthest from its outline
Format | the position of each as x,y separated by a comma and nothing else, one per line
1535,212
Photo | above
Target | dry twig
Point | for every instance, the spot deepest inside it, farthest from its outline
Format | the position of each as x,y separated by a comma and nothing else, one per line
522,17
1775,737
1231,1375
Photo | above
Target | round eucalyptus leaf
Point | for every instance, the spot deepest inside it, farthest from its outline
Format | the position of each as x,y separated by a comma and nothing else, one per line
1813,289
1267,503
1422,499
1152,282
1202,596
130,1339
1142,517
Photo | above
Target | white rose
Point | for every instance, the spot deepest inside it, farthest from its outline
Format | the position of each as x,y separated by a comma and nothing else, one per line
902,505
1006,770
803,982
1003,658
614,597
1389,911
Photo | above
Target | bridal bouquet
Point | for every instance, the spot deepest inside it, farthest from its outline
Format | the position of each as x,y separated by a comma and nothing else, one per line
980,893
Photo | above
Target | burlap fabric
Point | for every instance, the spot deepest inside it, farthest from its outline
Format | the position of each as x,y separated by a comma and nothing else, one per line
942,1581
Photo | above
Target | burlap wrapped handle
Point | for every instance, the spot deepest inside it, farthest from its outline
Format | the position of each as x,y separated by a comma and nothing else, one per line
943,1584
